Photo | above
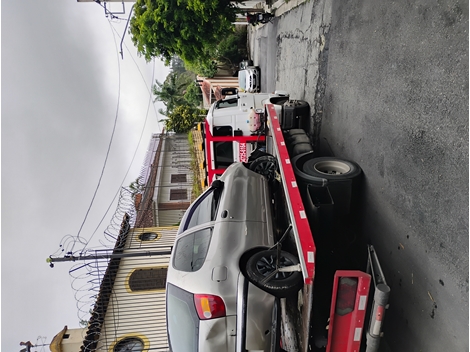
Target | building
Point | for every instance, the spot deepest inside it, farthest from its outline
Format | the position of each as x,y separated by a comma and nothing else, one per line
68,340
129,313
167,179
124,292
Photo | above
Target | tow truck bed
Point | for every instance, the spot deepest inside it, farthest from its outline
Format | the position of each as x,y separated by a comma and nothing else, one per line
341,297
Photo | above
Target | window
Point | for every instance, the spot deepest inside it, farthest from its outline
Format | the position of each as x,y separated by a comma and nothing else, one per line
222,131
191,250
223,154
178,194
129,344
199,212
226,103
182,320
148,279
148,236
178,178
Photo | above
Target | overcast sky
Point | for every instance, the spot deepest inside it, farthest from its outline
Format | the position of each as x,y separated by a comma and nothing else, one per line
61,82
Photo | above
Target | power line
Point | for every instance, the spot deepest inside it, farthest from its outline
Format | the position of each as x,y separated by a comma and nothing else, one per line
109,144
141,134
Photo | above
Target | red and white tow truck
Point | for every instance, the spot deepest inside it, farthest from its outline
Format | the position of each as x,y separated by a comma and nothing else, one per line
345,295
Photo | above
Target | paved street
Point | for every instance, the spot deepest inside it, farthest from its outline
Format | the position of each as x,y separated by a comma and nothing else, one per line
388,81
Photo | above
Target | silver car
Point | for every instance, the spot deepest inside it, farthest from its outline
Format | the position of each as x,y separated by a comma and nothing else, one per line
215,298
249,79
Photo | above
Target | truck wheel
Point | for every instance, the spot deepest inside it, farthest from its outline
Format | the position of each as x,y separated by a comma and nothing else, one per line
282,284
332,168
265,165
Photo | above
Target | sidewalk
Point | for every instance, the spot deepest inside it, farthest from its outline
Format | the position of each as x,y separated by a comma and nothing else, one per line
282,6
279,7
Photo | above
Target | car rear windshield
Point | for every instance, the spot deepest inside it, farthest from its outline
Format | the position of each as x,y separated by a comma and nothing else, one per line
191,250
182,320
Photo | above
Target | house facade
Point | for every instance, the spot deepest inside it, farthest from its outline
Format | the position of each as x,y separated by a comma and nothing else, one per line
126,283
129,313
167,181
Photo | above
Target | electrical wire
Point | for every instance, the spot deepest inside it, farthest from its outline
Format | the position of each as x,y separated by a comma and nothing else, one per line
109,144
140,138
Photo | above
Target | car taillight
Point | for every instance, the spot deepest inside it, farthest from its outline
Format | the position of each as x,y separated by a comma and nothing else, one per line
346,298
209,306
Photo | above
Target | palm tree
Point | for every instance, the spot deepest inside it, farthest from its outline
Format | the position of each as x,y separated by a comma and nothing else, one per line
170,92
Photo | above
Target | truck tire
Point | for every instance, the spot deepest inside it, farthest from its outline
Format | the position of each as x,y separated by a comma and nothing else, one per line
294,132
332,168
263,263
298,138
265,165
301,148
308,168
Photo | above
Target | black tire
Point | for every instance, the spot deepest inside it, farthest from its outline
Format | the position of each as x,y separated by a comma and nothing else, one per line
298,138
301,148
265,165
307,168
332,168
294,132
283,284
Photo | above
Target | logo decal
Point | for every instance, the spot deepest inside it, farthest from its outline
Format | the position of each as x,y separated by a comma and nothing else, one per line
242,152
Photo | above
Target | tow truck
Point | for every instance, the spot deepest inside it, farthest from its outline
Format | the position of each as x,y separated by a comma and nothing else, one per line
342,304
233,127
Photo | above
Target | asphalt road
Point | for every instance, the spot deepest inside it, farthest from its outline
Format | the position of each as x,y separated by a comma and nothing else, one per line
388,83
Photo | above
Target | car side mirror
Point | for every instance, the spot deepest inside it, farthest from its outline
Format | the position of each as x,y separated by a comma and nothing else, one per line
217,184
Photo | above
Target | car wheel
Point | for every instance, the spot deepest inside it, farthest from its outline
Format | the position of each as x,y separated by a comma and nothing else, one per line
265,165
263,263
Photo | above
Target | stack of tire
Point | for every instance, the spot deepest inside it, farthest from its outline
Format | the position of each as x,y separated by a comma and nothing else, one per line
297,142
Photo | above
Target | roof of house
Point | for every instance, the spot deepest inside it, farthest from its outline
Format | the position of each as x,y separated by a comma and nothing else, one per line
99,311
56,343
144,203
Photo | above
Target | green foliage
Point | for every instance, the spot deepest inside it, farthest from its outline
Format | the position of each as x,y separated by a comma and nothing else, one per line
203,67
171,91
183,118
232,48
226,53
193,95
136,187
186,28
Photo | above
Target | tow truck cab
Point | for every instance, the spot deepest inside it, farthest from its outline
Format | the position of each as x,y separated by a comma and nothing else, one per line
234,128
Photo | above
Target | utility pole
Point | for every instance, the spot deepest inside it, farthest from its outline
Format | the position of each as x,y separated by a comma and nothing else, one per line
28,345
106,255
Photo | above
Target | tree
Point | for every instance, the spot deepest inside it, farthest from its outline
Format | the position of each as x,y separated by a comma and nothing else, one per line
136,187
164,28
183,118
193,95
171,91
